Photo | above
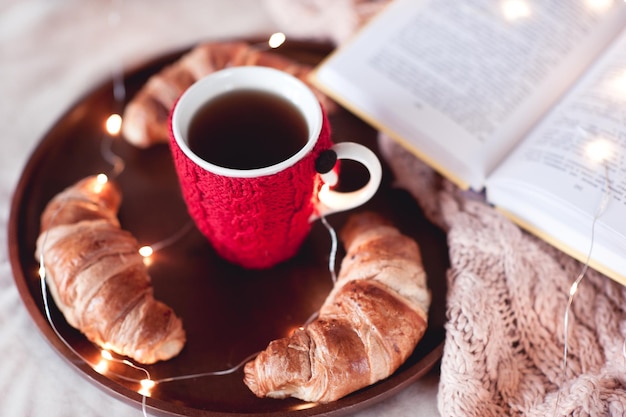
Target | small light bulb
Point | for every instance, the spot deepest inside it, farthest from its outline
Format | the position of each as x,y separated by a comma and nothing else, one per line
106,355
276,40
102,366
114,124
515,9
146,387
102,179
599,150
147,383
599,6
146,251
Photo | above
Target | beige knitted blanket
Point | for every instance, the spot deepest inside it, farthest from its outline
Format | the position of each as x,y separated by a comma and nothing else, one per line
507,291
506,302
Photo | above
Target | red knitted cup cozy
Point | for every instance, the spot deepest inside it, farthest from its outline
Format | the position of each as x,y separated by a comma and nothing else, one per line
254,222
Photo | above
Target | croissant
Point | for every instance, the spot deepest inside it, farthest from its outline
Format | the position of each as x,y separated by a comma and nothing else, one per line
98,279
146,115
367,327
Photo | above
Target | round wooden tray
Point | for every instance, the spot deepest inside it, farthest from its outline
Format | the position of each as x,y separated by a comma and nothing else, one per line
228,313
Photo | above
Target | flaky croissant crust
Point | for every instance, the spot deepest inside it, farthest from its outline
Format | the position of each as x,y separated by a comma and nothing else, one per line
98,279
367,327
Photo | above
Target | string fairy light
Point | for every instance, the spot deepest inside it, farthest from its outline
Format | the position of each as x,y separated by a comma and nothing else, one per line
112,128
598,150
113,124
333,249
101,365
147,384
276,40
148,250
575,285
516,9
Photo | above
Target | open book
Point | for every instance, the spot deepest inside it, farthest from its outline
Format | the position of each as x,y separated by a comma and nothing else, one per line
524,99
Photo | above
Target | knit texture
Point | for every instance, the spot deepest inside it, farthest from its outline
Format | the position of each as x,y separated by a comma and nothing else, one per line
506,301
254,222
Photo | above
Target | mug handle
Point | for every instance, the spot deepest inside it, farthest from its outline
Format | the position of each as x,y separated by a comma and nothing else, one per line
334,201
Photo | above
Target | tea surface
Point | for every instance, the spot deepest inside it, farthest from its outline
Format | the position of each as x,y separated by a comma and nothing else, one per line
247,129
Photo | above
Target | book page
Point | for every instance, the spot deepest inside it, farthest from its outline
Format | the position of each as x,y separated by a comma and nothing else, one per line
461,82
572,168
